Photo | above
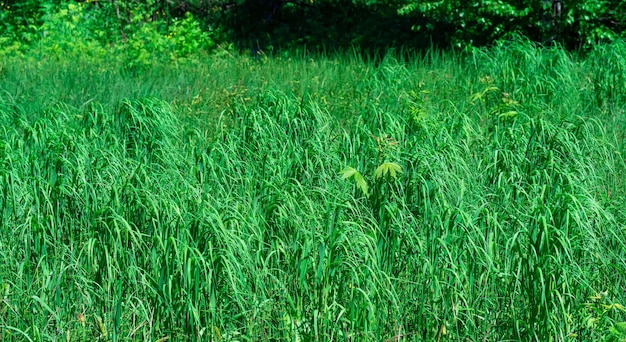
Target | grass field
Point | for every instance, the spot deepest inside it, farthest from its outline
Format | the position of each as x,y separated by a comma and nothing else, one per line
445,197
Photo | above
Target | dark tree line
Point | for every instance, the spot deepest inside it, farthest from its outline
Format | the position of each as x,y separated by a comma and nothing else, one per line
371,24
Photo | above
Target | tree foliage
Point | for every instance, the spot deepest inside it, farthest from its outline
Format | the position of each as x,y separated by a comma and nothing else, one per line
571,22
376,23
265,25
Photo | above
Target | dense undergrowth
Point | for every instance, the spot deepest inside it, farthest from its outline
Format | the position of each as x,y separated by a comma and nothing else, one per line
474,197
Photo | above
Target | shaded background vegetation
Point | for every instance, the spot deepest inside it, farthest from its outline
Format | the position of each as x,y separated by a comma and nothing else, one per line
267,26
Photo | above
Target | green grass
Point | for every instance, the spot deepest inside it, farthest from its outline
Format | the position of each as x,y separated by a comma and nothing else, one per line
205,200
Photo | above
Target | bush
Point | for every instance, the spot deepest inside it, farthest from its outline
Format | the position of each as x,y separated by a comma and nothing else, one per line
89,29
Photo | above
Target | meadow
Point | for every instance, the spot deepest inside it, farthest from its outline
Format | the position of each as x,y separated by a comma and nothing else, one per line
475,196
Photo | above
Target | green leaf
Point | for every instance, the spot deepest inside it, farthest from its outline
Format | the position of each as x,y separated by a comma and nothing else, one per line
620,328
388,168
490,89
509,114
360,182
476,97
348,172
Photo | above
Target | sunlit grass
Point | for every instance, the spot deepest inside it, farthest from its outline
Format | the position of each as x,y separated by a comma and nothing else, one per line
206,201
